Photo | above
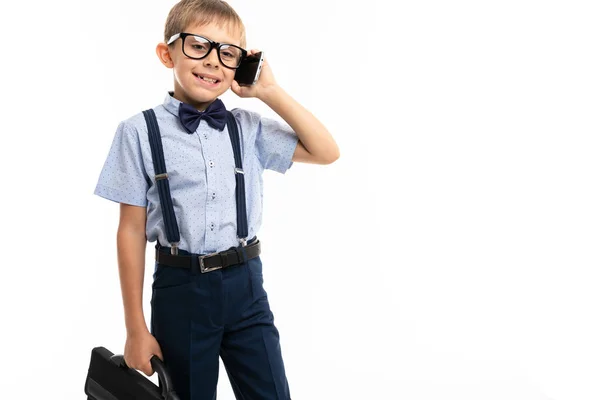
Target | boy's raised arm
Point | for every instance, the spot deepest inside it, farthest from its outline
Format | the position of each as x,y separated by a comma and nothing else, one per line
315,145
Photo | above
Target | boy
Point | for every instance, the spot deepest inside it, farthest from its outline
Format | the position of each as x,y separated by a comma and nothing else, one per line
197,316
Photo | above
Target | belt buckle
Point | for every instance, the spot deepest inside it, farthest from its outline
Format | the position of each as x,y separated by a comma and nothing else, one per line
203,269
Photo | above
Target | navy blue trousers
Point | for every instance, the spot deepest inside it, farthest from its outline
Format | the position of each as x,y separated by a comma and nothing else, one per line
197,318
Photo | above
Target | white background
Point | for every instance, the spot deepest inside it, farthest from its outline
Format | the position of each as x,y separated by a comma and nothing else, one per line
450,253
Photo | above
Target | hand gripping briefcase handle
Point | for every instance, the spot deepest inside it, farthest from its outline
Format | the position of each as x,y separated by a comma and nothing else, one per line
159,367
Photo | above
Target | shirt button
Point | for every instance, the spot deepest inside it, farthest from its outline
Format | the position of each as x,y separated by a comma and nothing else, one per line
211,163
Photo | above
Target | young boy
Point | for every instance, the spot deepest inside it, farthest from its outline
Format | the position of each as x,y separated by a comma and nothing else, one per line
201,315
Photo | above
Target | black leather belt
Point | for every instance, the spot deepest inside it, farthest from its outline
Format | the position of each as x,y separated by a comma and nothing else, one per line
212,261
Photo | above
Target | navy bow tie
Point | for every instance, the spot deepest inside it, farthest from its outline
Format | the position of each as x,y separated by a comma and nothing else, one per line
215,115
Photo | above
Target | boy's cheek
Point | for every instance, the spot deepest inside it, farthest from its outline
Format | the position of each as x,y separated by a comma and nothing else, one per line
229,79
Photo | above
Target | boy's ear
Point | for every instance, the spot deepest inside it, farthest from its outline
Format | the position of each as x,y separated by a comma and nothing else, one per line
163,53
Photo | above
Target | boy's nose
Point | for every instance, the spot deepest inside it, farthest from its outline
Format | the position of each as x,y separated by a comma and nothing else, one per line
212,57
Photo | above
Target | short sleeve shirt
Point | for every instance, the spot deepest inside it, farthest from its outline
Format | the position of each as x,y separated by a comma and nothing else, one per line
200,168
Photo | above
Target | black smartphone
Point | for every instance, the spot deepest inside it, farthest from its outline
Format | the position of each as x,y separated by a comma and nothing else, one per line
249,70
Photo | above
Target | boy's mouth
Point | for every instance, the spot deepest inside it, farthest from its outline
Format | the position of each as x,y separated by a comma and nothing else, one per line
209,80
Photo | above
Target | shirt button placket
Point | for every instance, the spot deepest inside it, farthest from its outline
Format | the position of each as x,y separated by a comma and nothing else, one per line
211,212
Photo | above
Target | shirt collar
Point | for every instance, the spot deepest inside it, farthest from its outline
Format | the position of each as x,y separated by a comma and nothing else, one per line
171,104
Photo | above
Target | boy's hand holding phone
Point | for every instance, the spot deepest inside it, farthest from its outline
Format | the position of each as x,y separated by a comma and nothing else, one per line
266,80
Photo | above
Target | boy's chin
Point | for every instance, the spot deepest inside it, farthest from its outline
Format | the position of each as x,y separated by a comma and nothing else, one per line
205,96
217,90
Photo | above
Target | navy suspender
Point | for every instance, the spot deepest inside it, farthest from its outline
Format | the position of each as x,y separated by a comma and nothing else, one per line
240,188
162,180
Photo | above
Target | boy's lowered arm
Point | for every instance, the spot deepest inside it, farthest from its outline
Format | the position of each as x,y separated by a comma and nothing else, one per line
315,144
131,249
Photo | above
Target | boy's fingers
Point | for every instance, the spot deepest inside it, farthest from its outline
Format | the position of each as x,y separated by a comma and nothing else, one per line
236,87
148,369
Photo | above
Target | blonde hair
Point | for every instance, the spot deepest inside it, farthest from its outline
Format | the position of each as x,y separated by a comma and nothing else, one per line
202,12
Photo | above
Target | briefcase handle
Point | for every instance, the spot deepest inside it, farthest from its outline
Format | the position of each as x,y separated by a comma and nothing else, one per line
165,378
168,392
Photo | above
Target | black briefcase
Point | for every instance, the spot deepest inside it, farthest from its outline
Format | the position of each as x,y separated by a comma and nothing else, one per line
109,378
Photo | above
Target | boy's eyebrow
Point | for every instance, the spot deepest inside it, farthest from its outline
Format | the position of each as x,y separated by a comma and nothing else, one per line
218,41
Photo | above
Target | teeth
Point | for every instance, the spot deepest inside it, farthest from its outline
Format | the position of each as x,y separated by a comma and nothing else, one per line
207,79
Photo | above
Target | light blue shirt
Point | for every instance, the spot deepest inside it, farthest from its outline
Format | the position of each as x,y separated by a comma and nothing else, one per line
200,167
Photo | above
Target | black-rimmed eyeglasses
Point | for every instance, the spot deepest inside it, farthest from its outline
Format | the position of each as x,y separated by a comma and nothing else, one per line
197,47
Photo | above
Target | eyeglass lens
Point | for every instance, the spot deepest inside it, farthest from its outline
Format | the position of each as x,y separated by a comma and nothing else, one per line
196,47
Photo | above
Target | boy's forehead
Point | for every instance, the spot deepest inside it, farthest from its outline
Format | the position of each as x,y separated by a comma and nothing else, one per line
213,31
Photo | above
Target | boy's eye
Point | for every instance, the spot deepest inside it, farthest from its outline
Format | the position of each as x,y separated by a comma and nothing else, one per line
226,54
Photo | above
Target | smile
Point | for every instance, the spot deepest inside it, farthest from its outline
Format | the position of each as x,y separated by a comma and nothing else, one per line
207,81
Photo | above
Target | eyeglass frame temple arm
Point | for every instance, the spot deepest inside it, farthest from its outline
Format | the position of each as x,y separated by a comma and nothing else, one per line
173,38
